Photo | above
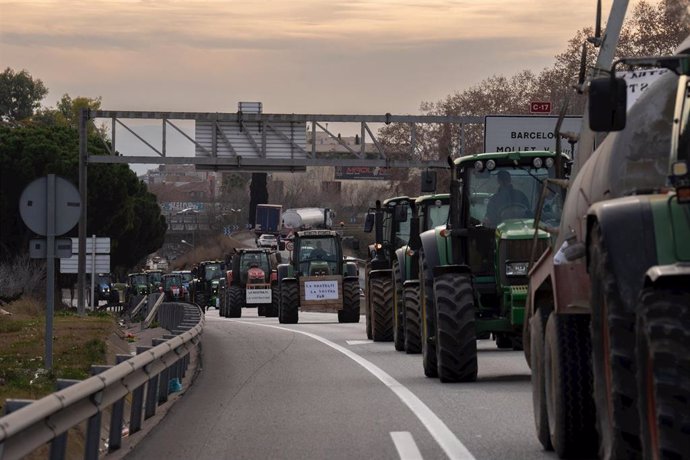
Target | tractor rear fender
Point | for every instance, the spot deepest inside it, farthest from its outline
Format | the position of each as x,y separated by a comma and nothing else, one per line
432,245
285,271
632,256
668,275
455,269
350,269
400,257
383,273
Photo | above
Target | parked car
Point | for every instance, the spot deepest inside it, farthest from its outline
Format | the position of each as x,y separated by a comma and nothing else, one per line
267,241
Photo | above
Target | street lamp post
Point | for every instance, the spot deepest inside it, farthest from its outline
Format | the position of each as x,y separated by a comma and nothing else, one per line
186,211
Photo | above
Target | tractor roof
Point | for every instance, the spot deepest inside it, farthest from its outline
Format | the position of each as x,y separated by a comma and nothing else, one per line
396,200
503,155
316,233
434,197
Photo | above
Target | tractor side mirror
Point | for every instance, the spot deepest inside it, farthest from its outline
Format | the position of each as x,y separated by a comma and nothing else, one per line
428,181
608,102
369,222
400,213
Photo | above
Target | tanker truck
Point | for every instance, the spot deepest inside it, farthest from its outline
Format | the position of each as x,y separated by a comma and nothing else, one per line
296,219
608,317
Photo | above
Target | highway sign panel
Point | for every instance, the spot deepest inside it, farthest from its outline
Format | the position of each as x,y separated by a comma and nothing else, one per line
512,133
38,248
70,265
540,107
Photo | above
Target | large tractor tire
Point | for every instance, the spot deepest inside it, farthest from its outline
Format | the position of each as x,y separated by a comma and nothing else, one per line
235,302
381,296
275,301
398,309
413,330
663,372
350,311
456,339
367,307
537,325
613,360
289,303
568,385
428,316
223,303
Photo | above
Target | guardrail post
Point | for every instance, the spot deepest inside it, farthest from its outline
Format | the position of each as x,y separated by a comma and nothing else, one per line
163,378
137,402
116,416
93,425
59,445
151,397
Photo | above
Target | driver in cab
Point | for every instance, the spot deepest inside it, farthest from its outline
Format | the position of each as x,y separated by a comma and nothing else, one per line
505,197
318,252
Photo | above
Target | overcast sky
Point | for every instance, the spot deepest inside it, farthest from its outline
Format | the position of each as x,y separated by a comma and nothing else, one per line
297,56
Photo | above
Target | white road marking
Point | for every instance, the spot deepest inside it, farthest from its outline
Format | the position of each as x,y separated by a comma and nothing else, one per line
451,445
358,342
404,443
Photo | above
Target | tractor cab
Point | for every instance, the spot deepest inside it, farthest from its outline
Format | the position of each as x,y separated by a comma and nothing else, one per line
318,253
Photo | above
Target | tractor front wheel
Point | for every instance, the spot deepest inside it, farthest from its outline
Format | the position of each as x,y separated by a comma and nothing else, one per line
381,296
413,329
289,303
234,307
456,339
350,311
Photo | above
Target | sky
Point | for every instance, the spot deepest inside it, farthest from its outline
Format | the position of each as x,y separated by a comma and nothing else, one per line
297,56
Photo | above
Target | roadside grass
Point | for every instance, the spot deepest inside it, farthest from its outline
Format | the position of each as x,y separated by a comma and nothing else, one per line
78,342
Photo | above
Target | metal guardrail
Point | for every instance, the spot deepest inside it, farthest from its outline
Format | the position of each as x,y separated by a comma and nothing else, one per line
28,425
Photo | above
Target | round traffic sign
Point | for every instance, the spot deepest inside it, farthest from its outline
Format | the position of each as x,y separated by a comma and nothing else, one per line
33,205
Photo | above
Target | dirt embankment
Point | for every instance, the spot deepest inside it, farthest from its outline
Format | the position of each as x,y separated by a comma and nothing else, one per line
215,248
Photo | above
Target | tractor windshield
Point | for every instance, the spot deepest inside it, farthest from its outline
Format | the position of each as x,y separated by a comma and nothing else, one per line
254,259
394,232
212,271
435,214
138,279
509,193
319,252
155,277
171,280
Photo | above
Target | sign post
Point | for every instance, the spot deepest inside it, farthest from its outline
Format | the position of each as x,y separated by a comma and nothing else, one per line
50,206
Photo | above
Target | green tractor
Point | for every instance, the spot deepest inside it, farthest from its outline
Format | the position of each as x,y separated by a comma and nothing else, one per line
155,280
206,284
137,287
428,211
248,283
318,278
391,222
473,271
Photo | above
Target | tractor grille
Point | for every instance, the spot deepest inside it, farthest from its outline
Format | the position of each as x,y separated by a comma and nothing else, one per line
518,251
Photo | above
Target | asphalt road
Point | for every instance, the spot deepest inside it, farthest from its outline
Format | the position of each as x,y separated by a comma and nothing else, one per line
318,389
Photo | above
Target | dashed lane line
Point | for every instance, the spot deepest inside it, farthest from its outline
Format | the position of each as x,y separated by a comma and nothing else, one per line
407,448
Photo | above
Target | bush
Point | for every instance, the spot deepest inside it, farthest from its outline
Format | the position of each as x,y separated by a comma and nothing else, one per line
22,276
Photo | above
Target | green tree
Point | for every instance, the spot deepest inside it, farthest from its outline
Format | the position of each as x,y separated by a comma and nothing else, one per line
119,204
20,95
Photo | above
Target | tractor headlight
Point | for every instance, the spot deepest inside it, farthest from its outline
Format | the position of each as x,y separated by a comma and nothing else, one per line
478,165
537,162
516,268
549,162
491,165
